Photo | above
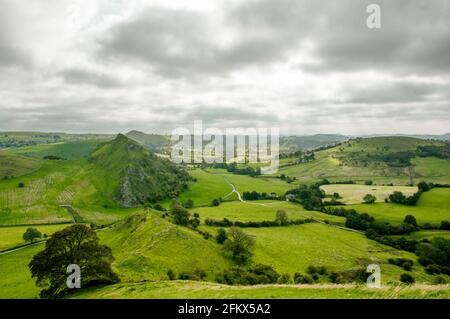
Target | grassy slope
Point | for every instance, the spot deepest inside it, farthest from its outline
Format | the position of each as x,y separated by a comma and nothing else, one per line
348,161
15,165
146,246
354,194
432,207
426,234
294,248
193,290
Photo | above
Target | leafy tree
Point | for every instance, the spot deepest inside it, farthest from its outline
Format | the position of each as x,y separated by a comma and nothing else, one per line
216,202
189,203
77,244
221,236
180,215
171,274
369,199
411,220
281,217
239,244
423,186
21,185
31,234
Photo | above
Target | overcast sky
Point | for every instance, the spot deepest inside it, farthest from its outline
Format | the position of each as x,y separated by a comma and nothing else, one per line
304,66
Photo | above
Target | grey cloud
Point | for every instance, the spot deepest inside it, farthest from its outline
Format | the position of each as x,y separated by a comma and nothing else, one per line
83,76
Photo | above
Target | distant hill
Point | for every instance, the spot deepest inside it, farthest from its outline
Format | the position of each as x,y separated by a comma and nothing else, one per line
154,142
134,176
294,143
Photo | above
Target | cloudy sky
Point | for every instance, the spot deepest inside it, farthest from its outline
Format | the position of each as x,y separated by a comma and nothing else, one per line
304,66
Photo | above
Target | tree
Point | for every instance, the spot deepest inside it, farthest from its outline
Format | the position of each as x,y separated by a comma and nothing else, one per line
216,202
369,199
281,217
189,203
221,236
21,185
180,215
423,186
77,244
368,182
31,234
239,244
411,220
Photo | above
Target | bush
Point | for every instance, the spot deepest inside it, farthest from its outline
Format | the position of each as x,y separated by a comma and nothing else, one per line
21,185
239,245
221,236
369,199
349,276
407,279
215,202
439,280
171,274
189,203
255,275
198,274
302,279
445,225
411,220
402,262
284,279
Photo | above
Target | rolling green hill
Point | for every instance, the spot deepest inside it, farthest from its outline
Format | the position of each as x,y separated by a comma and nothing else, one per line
383,160
134,176
14,165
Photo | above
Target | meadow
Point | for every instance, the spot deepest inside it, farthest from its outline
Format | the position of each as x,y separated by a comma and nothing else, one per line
354,194
432,207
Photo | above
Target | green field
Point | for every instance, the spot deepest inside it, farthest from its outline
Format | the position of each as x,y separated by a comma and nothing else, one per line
12,236
426,234
432,207
354,194
13,165
205,290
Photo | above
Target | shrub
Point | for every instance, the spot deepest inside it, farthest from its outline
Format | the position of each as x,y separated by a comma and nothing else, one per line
445,225
284,279
21,185
407,279
189,203
411,220
402,262
221,236
281,217
255,275
302,279
239,245
171,274
215,202
439,280
369,199
349,276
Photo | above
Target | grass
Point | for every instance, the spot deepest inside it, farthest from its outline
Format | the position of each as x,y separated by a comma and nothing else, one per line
426,234
12,236
432,207
354,194
146,247
14,165
259,211
15,276
206,290
65,150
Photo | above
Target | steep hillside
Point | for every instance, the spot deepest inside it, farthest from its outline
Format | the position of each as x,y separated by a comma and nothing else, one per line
133,175
146,246
294,143
154,142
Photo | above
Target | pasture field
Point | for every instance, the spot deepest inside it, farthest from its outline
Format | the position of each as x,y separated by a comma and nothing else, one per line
432,207
212,183
15,276
260,210
194,290
292,249
65,150
12,236
354,194
432,169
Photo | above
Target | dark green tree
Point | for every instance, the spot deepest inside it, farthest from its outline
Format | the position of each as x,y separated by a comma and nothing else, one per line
411,220
31,234
180,215
281,217
77,244
369,199
221,236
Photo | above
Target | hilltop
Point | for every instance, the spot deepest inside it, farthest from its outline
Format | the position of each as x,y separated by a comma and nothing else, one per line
134,176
